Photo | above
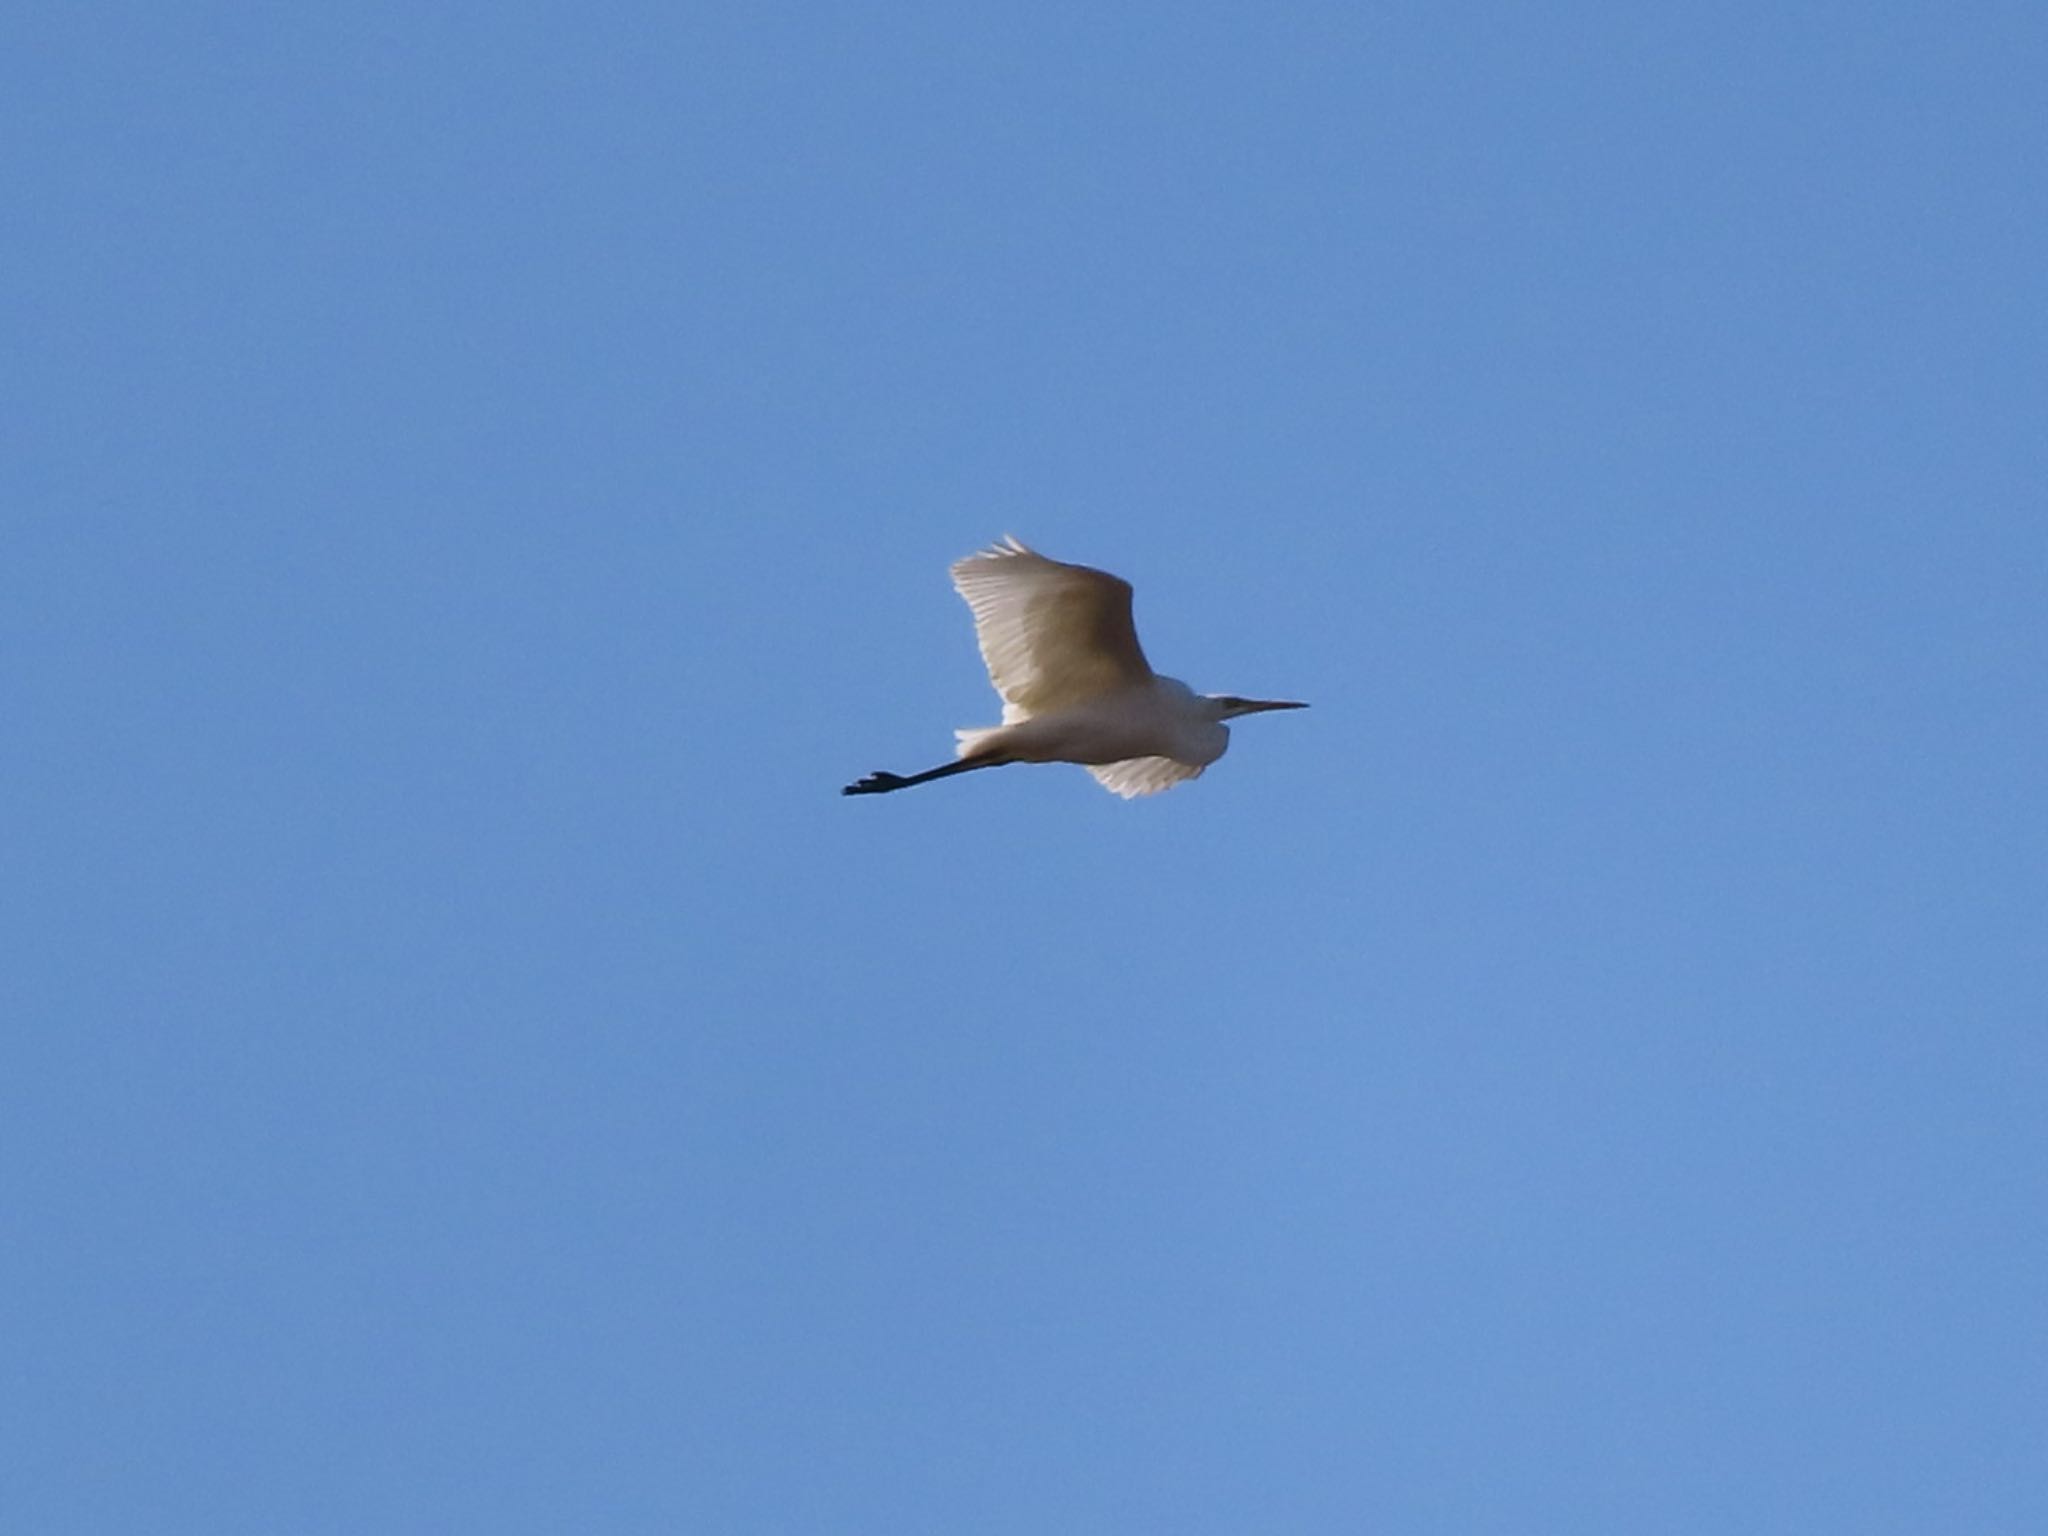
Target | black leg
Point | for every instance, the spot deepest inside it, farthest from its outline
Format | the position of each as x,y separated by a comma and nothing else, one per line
882,782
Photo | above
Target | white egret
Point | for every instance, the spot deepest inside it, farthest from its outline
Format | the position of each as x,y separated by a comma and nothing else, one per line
1062,652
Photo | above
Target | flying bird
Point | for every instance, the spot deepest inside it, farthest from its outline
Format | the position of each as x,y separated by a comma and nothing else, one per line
1062,651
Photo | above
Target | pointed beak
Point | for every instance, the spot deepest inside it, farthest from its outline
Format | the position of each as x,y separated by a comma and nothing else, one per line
1260,706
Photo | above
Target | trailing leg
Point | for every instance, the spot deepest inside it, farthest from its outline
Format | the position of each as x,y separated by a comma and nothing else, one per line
883,782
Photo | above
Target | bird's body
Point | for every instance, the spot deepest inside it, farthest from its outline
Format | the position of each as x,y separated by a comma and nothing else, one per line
1076,688
1157,717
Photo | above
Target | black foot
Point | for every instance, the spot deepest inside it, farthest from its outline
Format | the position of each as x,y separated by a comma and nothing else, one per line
879,783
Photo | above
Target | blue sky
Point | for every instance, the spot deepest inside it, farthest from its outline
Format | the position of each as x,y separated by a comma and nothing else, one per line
478,479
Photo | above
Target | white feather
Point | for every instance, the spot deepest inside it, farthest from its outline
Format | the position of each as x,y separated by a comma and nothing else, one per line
1052,635
1143,775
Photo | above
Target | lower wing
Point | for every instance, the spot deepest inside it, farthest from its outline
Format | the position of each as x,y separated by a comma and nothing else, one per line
1136,776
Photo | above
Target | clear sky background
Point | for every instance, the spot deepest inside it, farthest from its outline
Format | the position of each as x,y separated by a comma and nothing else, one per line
476,481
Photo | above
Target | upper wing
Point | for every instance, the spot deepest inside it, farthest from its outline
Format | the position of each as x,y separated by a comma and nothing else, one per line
1051,634
1136,776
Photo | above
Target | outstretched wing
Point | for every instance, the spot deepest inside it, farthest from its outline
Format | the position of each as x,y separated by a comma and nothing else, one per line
1136,776
1051,634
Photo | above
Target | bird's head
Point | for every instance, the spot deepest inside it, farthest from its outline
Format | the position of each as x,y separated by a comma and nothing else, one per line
1228,706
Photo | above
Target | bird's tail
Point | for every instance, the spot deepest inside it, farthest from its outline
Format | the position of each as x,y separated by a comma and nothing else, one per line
974,743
